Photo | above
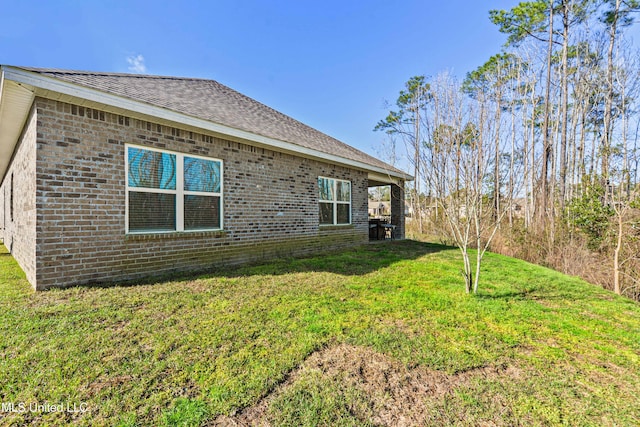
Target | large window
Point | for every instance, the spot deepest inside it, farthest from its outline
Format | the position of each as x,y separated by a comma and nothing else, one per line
335,201
172,192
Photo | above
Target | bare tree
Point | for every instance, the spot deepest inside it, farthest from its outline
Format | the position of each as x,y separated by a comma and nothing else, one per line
460,164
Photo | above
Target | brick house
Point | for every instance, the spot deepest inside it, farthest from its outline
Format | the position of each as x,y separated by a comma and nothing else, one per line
109,177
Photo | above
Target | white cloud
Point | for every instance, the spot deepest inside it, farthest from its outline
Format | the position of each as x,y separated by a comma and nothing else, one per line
136,63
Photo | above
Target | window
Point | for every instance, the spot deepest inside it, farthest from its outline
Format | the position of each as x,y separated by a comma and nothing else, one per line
334,200
11,200
172,192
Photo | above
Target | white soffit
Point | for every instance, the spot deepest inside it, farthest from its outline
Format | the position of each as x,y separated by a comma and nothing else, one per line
378,179
15,103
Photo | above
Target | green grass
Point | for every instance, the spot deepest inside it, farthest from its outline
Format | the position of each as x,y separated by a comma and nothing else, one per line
185,350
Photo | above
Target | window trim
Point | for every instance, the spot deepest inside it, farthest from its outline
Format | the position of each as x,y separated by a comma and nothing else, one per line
179,192
336,202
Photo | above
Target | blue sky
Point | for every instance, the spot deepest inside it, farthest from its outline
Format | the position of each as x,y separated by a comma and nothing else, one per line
330,64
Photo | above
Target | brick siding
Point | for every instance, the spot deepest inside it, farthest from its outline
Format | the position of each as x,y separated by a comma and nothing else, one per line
270,202
397,210
18,222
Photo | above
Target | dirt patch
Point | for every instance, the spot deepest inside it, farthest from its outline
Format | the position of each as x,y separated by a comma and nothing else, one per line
397,395
106,383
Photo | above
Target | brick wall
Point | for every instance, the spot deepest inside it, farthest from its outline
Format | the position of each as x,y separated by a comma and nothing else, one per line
18,219
397,210
270,201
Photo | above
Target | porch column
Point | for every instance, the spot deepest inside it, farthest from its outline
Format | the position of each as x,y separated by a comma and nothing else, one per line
397,210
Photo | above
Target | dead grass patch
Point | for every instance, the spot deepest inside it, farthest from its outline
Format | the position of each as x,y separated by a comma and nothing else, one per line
397,395
105,382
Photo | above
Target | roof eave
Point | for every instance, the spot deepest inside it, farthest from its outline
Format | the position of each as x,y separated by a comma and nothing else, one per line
377,179
49,87
15,104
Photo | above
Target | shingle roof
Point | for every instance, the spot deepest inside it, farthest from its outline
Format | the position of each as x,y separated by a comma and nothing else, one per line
217,103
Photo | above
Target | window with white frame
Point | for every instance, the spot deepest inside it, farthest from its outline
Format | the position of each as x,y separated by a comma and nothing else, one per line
334,198
169,191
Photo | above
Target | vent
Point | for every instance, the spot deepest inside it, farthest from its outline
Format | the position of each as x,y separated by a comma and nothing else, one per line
88,112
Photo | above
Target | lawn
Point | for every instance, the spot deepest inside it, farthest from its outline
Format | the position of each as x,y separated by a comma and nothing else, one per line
379,335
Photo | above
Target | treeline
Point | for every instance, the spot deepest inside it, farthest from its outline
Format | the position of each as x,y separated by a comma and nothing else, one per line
535,153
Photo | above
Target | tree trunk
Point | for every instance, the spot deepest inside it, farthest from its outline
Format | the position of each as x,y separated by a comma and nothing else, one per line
546,143
608,119
565,101
510,194
583,136
532,164
468,274
478,254
616,256
496,169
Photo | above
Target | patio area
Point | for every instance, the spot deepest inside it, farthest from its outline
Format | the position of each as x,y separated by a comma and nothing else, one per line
386,210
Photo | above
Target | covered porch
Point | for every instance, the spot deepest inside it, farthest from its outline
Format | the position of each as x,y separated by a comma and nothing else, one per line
386,207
